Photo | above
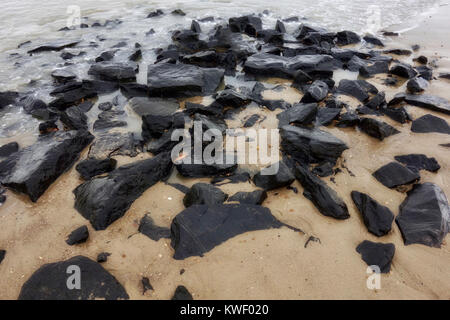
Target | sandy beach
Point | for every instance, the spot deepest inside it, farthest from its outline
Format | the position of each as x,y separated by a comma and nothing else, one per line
267,264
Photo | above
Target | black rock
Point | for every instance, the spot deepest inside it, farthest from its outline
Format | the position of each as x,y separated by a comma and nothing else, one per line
49,282
155,13
62,75
445,75
233,178
424,216
8,149
416,162
103,257
325,199
57,45
231,98
109,119
114,71
266,180
376,101
324,169
146,285
399,52
397,114
33,169
416,85
251,121
90,168
280,27
182,80
154,232
31,104
348,119
74,118
311,145
374,68
154,106
103,200
200,228
373,40
299,113
425,72
429,102
377,254
47,127
270,65
326,115
347,37
154,126
195,26
394,174
377,129
256,197
403,70
204,193
71,94
105,106
359,89
316,92
109,144
247,24
181,293
429,123
377,218
78,236
178,12
2,255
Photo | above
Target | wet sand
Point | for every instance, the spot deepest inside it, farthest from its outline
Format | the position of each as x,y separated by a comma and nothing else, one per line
269,264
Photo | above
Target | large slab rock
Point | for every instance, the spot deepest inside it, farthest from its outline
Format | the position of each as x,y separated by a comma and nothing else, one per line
377,218
377,254
394,175
416,162
56,45
325,199
299,113
114,71
270,65
429,123
49,282
33,169
182,80
198,229
359,89
424,216
311,145
103,200
427,101
377,129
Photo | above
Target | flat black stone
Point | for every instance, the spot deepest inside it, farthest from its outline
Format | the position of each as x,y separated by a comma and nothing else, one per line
418,162
49,282
394,174
154,232
78,236
429,123
377,129
282,178
256,197
204,193
182,294
378,254
7,149
92,167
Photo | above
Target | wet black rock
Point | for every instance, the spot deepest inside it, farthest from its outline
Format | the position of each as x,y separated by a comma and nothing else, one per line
397,114
429,102
377,254
325,199
2,255
231,98
193,170
403,70
394,174
49,282
103,200
31,104
374,68
299,113
373,40
155,13
78,236
416,162
147,227
103,257
33,169
92,167
182,294
347,37
8,149
429,123
279,26
416,85
204,193
377,101
247,24
57,45
311,145
256,197
63,75
377,218
359,89
198,229
348,119
109,119
233,178
444,75
47,127
182,80
399,52
114,71
100,86
268,180
153,106
70,94
270,65
425,72
324,169
325,116
376,128
109,144
74,118
316,92
252,120
424,216
178,12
